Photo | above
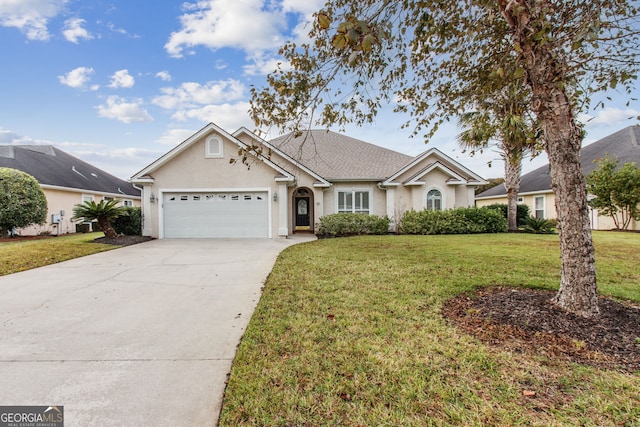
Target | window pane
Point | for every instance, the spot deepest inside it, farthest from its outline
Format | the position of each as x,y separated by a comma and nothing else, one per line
348,202
434,200
361,202
539,207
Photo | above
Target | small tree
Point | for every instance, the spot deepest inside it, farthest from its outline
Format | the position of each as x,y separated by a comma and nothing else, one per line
22,201
616,191
504,116
104,212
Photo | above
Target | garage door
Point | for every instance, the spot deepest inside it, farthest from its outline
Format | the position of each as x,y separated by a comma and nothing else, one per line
219,214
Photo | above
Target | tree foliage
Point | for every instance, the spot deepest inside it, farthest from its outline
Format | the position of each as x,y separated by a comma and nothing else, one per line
434,59
22,201
616,191
104,212
506,119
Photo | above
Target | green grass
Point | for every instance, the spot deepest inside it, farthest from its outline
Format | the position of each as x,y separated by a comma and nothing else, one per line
26,254
349,332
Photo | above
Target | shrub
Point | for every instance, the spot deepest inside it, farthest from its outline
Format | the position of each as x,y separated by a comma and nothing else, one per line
522,214
453,221
351,224
129,224
538,226
22,201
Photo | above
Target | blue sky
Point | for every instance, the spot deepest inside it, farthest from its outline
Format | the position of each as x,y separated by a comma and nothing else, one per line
118,83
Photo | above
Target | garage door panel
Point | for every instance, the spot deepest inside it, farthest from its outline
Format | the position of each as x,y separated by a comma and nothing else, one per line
220,214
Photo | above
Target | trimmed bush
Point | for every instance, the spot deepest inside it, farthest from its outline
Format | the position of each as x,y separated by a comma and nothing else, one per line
453,221
129,224
522,215
351,224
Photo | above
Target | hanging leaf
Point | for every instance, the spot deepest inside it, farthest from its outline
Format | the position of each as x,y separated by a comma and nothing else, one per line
324,21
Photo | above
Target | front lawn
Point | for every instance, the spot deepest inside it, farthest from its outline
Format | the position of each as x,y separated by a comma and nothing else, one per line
350,332
19,255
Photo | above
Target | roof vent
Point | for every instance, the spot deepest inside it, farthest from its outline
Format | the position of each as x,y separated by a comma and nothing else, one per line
94,175
73,168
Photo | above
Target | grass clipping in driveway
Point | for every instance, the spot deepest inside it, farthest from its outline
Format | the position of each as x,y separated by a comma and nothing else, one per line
350,332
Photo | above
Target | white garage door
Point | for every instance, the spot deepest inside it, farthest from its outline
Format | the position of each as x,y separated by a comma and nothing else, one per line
220,214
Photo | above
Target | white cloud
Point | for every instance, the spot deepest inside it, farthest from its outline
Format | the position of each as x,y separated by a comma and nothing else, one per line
609,116
261,65
126,111
306,7
73,30
174,136
249,25
164,75
30,16
192,94
231,116
122,78
78,78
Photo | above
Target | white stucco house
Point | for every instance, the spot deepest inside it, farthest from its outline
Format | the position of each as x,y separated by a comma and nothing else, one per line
202,189
66,182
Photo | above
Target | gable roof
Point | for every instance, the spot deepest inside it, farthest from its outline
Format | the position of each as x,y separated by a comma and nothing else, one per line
327,156
143,175
441,164
51,166
623,145
338,157
321,181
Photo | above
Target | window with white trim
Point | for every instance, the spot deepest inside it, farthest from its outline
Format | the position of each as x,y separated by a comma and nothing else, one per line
87,198
127,202
434,200
539,207
213,147
354,201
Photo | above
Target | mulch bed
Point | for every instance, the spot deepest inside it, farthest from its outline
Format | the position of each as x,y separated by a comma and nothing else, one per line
122,240
525,321
21,238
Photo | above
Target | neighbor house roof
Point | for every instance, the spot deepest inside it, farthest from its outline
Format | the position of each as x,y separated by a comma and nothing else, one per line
339,157
53,167
623,145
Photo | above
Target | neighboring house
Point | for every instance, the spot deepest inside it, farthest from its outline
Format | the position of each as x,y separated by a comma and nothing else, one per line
201,188
66,182
535,186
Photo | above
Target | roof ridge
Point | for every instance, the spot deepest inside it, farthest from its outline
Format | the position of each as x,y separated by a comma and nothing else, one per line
634,137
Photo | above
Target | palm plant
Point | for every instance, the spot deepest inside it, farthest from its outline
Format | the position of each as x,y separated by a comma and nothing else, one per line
103,212
505,118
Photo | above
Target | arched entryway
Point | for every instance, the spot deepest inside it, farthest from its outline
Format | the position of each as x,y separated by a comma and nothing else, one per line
302,210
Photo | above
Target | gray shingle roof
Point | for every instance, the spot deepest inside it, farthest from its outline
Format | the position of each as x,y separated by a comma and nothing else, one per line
623,145
334,156
51,166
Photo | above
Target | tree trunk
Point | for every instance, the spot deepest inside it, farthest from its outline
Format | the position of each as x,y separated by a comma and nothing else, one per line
512,169
105,227
546,73
578,289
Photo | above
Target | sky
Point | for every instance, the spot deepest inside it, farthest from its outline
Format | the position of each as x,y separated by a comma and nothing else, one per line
118,83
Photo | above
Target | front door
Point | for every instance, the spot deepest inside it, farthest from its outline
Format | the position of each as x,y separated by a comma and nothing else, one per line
303,213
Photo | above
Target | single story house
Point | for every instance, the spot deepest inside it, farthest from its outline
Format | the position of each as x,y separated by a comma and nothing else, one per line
201,188
66,181
535,186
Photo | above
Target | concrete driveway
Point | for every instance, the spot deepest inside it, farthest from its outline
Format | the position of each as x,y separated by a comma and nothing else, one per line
143,335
